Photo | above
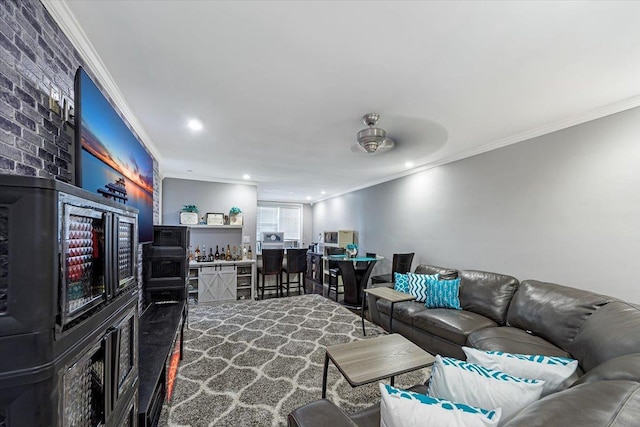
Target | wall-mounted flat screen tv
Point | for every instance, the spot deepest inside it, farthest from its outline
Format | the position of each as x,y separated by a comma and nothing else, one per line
109,158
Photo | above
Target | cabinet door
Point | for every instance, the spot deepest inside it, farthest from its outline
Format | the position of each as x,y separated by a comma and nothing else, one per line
206,284
217,283
226,284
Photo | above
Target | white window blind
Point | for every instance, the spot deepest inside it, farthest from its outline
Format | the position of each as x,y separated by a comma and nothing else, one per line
283,218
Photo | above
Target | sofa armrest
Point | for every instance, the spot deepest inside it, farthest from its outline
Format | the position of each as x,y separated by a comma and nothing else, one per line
319,413
619,368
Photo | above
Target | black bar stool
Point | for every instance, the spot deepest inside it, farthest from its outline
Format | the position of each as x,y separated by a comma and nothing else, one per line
271,266
296,265
334,271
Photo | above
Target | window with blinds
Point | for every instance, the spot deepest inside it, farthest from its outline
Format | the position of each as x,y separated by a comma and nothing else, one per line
283,218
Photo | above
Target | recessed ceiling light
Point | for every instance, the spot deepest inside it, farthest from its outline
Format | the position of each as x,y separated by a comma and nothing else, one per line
308,197
195,125
408,165
246,176
323,192
189,170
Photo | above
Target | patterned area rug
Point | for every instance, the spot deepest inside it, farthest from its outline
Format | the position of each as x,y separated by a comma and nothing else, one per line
250,363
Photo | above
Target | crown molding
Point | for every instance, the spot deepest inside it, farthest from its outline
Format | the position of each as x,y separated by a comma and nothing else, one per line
60,12
598,113
196,177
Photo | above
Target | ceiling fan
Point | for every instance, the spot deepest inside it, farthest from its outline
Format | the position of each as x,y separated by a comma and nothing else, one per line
373,140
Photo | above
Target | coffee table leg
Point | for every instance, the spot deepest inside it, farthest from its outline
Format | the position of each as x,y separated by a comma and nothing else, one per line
391,319
393,381
362,312
324,376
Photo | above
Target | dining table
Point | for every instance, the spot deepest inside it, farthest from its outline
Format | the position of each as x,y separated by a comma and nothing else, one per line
355,273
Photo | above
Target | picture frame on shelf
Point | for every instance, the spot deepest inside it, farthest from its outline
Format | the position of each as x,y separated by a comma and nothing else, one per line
235,220
215,218
188,218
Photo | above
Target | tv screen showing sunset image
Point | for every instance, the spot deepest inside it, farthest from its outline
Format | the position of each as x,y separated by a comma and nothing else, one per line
112,160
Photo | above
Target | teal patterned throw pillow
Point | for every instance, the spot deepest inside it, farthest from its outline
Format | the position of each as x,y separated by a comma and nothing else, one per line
418,285
442,293
406,408
479,386
401,283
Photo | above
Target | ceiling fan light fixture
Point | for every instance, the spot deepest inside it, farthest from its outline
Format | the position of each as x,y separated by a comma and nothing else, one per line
373,139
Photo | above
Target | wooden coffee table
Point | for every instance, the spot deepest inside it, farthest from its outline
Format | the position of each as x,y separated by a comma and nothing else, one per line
366,361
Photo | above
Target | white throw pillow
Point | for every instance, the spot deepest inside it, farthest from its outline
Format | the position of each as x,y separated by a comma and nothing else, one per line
459,381
554,371
400,408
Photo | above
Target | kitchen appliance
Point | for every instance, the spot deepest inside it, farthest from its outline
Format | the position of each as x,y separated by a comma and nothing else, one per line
272,240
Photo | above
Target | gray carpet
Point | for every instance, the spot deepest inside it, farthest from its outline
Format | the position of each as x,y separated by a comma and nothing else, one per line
249,363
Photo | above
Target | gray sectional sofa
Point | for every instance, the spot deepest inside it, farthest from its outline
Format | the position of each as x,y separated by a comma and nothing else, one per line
532,317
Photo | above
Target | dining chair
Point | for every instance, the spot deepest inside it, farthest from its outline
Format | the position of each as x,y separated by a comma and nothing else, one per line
334,271
271,266
297,266
401,264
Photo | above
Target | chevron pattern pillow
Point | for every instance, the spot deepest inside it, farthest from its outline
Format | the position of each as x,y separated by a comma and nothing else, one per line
418,285
442,293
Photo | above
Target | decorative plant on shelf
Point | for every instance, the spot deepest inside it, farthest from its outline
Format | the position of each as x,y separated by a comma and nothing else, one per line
190,208
351,250
234,216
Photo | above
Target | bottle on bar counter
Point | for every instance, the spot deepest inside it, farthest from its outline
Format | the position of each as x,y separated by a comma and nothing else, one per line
249,253
210,257
197,253
217,254
228,254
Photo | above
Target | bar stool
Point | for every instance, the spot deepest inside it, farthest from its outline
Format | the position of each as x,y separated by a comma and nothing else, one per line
296,265
334,271
401,264
271,266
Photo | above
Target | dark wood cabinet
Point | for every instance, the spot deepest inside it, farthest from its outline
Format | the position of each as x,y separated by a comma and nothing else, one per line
313,275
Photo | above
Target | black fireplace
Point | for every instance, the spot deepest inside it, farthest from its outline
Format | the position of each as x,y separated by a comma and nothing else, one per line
165,277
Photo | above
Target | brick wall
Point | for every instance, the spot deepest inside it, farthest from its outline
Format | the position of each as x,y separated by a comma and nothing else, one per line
34,55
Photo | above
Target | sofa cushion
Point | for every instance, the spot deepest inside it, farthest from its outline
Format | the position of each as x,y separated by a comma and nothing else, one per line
419,285
407,409
625,367
452,325
401,283
513,340
459,381
553,370
487,293
613,330
605,403
403,311
431,269
371,416
442,293
551,311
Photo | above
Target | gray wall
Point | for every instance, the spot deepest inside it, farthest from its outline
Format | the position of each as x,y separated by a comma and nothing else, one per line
307,225
211,197
564,208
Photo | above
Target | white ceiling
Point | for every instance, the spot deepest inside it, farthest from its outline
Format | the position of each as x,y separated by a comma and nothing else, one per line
281,85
